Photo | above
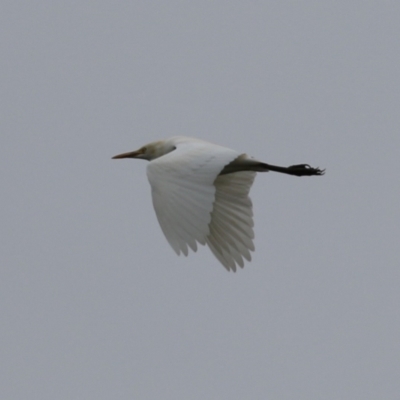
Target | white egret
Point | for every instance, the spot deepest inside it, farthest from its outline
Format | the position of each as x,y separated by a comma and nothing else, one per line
200,193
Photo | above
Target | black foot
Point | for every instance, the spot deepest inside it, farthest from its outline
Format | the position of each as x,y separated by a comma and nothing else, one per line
304,170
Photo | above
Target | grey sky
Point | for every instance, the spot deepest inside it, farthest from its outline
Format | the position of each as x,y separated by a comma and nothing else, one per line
94,302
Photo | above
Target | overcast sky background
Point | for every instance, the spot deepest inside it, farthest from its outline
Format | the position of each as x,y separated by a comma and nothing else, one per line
94,304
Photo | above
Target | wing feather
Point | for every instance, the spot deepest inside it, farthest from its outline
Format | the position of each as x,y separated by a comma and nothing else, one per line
193,203
183,191
231,228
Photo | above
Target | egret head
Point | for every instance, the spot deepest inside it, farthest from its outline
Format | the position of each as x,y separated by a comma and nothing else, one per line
150,152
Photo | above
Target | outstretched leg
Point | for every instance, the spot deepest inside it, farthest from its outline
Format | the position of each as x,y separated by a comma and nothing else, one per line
297,170
244,163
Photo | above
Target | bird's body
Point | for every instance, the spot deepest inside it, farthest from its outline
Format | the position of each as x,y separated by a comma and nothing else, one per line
200,193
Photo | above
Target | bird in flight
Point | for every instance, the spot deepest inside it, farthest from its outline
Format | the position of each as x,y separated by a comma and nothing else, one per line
200,194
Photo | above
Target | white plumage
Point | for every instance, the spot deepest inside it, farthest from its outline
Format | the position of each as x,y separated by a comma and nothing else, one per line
200,193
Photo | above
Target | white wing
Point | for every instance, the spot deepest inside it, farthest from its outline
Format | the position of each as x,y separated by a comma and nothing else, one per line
231,228
183,192
194,204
